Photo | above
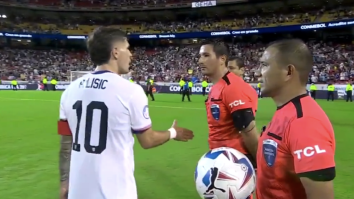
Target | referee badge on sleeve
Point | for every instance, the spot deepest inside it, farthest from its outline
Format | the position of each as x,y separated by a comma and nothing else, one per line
269,151
215,111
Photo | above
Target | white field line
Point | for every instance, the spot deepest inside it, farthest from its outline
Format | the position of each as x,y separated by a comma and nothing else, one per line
43,100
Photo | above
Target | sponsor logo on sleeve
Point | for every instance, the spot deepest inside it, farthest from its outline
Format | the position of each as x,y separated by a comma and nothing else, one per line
308,151
236,103
146,112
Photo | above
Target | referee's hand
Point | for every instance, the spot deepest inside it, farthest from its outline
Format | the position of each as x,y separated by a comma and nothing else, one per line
183,134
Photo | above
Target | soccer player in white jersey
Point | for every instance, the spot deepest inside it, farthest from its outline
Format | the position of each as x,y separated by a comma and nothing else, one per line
99,113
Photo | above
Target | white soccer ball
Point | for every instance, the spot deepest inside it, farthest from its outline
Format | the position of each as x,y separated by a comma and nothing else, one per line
225,173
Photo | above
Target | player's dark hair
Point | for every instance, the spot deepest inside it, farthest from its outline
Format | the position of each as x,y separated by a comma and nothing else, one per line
219,48
99,43
239,62
294,52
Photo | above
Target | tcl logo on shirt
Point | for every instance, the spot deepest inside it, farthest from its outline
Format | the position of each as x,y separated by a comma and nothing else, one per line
309,151
236,103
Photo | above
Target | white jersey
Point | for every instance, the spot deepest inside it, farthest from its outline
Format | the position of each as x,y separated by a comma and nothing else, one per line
103,110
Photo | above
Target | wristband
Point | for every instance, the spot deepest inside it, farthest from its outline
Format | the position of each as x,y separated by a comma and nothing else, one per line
173,133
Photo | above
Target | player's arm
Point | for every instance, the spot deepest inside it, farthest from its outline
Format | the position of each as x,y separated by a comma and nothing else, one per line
141,124
240,106
64,152
312,147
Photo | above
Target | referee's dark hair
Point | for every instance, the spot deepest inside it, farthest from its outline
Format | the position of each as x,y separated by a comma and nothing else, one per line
219,48
239,62
100,43
294,52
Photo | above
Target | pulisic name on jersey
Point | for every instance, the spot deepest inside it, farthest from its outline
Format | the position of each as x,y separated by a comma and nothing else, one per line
95,83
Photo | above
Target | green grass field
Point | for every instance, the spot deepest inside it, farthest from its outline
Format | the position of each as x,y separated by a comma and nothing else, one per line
29,146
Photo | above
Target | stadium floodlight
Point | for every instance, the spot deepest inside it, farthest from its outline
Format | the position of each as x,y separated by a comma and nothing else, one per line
77,74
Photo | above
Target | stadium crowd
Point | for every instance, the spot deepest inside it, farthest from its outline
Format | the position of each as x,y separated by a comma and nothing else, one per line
29,22
333,62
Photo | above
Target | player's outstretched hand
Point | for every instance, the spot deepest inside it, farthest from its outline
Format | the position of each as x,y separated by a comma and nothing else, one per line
183,134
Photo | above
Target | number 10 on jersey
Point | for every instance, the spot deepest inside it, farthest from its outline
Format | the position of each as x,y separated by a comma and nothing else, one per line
103,126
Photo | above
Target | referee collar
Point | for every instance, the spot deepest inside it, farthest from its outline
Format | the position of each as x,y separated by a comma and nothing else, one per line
101,72
295,100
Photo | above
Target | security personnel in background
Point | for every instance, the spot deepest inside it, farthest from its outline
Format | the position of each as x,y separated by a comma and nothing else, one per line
186,91
190,86
204,86
149,86
14,85
45,84
313,89
53,82
259,90
330,92
349,91
181,84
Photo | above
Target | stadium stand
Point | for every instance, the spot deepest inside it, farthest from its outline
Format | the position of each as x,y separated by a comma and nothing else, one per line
164,60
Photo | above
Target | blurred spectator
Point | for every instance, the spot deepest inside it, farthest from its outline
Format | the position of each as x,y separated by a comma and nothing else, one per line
332,62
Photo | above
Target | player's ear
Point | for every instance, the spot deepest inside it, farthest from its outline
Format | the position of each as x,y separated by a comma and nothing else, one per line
290,69
115,53
223,59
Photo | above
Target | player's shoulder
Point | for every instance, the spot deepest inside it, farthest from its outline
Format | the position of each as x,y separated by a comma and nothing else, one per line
73,86
300,106
123,86
303,109
230,79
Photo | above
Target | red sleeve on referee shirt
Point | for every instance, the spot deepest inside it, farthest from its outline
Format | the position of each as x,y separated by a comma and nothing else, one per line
312,144
236,97
63,128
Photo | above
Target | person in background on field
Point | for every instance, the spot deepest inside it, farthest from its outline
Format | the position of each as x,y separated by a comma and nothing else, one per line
185,91
330,92
296,150
190,86
149,87
204,86
259,89
14,84
53,82
313,89
45,84
349,92
181,84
